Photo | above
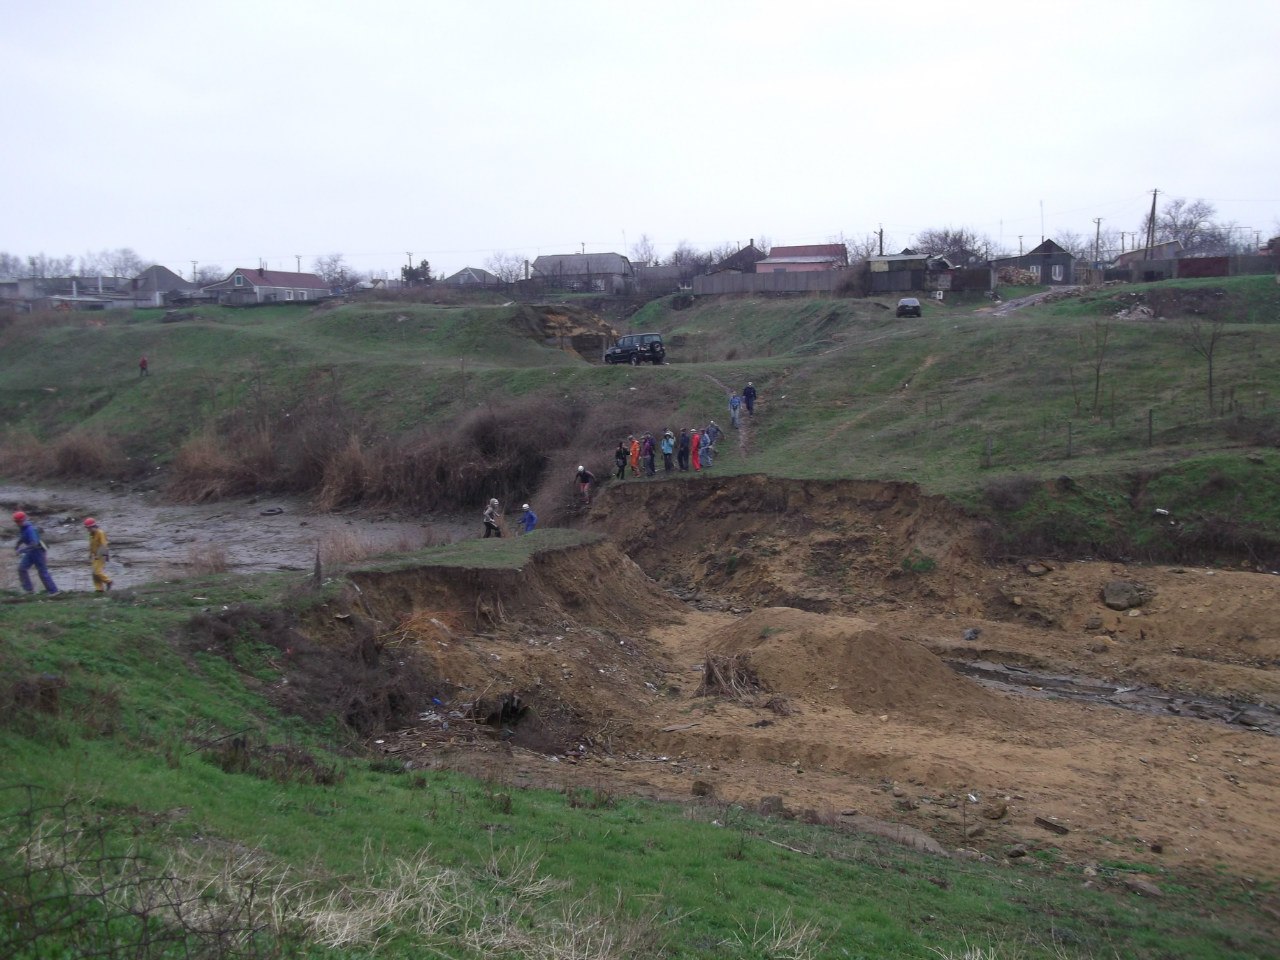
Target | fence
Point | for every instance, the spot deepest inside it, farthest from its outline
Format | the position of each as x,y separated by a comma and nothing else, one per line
815,281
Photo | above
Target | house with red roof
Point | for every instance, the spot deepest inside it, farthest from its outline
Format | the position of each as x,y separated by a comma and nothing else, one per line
260,285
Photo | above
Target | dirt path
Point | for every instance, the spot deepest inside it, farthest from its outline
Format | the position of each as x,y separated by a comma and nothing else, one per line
1013,306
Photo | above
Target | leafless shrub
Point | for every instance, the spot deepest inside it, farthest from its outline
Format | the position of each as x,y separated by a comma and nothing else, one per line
345,475
780,705
81,454
733,677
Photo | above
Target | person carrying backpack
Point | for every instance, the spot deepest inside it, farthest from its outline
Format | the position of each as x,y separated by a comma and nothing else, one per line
735,403
32,553
98,555
749,398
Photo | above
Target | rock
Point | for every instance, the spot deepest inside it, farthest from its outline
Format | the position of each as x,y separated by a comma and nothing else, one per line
1037,569
898,791
995,811
1100,645
1093,624
1090,870
974,830
770,806
1016,851
1142,887
906,803
700,788
973,633
1126,594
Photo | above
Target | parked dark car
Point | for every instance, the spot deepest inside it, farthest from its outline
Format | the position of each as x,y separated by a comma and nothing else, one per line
636,349
909,307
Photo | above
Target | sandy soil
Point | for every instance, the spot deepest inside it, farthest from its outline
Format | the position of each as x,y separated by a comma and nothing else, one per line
858,711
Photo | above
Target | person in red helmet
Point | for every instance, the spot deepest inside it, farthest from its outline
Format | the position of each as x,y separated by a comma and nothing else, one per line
98,555
32,553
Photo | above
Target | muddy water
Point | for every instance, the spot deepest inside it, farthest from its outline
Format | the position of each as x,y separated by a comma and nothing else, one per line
152,540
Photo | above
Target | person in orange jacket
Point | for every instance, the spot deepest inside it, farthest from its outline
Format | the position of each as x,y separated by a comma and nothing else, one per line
695,447
98,555
635,456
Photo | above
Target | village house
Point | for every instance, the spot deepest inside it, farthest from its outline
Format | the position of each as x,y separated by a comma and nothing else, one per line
1048,263
260,285
471,277
907,271
806,258
744,261
585,272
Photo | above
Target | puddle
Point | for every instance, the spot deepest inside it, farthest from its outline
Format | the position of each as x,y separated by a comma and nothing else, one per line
151,540
1003,676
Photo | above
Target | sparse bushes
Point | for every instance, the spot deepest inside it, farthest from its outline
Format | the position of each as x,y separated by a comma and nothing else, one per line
79,455
1012,492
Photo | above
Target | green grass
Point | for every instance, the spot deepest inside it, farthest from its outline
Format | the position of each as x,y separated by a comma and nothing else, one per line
704,881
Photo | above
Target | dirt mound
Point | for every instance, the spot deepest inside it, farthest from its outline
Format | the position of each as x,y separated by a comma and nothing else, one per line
845,661
592,586
824,546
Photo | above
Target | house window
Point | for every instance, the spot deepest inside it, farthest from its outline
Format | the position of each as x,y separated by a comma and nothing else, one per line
1035,271
239,280
288,294
1057,272
302,294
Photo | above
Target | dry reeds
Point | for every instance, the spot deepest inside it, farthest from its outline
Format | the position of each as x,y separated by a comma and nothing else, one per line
207,558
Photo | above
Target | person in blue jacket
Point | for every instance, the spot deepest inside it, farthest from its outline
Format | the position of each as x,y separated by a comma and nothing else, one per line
528,520
32,553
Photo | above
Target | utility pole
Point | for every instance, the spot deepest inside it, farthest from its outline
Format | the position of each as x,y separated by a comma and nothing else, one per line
193,271
1019,244
298,258
1151,226
584,247
1097,240
880,233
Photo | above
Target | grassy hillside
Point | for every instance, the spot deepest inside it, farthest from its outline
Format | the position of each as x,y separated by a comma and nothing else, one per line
438,406
148,727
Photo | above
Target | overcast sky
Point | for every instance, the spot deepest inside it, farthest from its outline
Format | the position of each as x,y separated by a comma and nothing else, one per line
233,132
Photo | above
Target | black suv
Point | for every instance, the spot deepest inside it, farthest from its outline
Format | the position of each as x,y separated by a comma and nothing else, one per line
908,307
637,349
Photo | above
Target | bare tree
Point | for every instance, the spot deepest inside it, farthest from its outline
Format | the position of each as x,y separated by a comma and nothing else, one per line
43,266
332,269
1076,244
690,260
644,252
1202,336
507,267
1097,355
1192,223
860,248
961,245
209,273
11,265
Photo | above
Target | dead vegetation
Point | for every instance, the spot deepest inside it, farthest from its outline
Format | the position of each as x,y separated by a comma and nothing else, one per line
730,676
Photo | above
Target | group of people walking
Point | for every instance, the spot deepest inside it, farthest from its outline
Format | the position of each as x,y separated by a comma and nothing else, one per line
693,449
33,552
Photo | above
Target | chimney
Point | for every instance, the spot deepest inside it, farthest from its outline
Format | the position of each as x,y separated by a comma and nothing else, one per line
262,271
751,242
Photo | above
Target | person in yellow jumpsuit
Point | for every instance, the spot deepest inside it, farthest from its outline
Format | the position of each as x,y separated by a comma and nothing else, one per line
98,555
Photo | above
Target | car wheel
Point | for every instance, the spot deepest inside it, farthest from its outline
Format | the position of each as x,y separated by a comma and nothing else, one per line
635,360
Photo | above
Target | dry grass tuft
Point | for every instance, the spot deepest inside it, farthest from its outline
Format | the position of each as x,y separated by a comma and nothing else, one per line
733,677
207,558
351,546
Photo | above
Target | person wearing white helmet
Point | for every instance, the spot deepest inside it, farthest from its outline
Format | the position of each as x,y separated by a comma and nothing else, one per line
528,520
584,479
492,520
